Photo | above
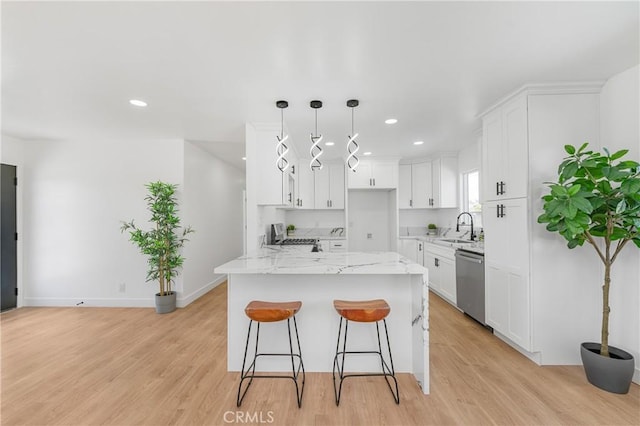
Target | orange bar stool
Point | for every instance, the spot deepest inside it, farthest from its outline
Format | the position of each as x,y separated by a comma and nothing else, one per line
362,311
261,312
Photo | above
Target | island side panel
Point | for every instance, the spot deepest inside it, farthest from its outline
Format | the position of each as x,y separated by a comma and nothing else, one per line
420,329
318,320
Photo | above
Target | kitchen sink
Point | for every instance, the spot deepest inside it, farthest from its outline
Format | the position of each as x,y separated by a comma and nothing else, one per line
456,241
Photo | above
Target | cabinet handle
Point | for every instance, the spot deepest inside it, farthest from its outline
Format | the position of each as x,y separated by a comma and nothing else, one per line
436,261
502,212
289,197
370,182
497,188
330,203
410,203
502,185
420,247
293,169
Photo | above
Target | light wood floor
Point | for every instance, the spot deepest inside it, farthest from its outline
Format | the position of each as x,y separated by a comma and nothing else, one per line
82,366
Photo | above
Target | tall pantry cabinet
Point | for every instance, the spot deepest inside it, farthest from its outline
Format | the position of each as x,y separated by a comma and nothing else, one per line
526,267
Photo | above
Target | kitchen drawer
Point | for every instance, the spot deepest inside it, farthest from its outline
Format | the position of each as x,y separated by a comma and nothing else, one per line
337,245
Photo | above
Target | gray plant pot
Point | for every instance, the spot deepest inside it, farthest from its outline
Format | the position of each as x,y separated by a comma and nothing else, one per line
166,304
612,374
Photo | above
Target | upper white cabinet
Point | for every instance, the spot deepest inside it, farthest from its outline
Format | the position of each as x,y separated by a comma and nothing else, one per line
329,187
305,193
430,184
444,188
414,186
380,174
505,151
274,187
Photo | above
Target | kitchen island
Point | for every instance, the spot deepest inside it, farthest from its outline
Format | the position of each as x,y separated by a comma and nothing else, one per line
277,273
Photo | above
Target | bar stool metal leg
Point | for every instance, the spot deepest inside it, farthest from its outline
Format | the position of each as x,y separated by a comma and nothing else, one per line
249,373
338,364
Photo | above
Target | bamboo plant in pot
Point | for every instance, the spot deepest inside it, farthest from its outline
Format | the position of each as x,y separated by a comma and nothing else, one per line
597,200
161,244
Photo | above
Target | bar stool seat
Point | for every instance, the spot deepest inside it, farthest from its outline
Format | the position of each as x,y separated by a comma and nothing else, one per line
368,311
362,310
270,312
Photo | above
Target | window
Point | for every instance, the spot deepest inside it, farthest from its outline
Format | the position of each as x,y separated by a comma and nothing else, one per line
471,196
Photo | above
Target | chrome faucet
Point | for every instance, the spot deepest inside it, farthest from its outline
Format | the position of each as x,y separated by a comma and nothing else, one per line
458,224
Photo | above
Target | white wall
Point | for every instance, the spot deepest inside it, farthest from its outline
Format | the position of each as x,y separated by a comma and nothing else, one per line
620,129
212,205
76,193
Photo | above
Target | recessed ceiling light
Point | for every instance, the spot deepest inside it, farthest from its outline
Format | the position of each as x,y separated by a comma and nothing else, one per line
244,158
330,144
391,121
137,102
418,142
366,153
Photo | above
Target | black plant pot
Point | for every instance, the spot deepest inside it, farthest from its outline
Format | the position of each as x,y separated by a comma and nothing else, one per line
612,374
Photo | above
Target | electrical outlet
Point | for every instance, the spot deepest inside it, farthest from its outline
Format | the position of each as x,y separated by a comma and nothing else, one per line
122,287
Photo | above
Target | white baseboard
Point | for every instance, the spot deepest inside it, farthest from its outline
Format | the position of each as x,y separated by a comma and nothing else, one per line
89,302
184,301
181,302
533,356
636,375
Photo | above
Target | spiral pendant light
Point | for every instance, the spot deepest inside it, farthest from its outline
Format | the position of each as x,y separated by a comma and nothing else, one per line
352,146
316,150
281,147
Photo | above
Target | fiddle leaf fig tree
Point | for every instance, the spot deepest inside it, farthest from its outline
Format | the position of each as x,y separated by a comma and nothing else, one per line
161,243
596,200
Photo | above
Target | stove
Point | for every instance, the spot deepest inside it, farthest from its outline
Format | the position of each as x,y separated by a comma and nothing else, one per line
299,242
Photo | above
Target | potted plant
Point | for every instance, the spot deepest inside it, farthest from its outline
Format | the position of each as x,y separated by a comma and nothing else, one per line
290,229
597,200
162,242
432,229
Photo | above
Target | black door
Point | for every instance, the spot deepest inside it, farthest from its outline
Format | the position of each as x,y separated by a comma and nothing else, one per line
8,237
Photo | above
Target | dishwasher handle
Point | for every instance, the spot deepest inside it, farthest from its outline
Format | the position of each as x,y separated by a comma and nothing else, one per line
478,260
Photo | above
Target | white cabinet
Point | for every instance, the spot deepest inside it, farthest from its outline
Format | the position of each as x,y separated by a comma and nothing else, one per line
431,184
329,187
381,174
335,246
414,185
408,247
273,185
505,151
441,264
444,188
305,186
507,293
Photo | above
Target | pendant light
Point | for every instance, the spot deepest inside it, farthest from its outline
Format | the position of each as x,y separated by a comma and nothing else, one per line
316,150
281,147
352,146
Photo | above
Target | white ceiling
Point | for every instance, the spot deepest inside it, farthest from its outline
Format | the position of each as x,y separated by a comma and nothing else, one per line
207,68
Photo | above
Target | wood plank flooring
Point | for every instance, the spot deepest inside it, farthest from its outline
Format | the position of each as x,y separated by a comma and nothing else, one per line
86,366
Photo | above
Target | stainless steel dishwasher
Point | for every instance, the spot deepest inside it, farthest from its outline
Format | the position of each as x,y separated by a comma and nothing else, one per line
470,284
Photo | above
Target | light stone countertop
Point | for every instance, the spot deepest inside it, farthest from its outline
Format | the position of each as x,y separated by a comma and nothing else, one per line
300,260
